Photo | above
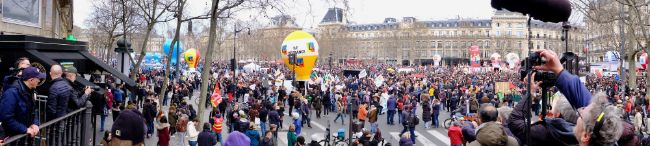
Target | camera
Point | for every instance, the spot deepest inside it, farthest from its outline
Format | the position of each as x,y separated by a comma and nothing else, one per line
535,59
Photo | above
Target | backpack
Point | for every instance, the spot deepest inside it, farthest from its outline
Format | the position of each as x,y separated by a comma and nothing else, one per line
181,124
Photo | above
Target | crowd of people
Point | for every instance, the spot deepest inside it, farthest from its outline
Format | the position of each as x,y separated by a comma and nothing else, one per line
254,105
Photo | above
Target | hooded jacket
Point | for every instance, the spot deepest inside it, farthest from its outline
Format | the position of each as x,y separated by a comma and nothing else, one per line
552,131
493,134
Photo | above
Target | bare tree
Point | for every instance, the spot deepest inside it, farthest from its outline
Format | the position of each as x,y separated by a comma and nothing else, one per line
603,15
152,12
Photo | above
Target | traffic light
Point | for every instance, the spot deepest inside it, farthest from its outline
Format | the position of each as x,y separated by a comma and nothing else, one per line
543,10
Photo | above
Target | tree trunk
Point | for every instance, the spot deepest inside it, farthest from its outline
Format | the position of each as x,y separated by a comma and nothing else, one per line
631,67
171,49
143,52
207,65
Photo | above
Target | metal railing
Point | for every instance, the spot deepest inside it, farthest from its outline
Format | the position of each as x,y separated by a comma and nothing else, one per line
73,129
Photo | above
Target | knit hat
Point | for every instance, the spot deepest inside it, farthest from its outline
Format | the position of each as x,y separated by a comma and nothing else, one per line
129,126
493,134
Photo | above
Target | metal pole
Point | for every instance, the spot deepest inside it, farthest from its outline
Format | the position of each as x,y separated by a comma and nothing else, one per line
529,100
234,66
350,127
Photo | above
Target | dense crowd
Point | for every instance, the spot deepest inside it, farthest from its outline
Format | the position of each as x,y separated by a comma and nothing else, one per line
254,103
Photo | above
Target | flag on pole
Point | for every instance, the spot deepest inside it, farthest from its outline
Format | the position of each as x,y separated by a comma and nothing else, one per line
215,99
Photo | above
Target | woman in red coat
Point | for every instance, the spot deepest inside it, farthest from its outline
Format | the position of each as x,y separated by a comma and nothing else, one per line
163,131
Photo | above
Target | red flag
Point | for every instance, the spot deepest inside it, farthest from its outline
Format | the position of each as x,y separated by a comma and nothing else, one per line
215,99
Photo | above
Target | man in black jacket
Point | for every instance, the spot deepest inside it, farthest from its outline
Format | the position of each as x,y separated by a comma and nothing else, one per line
206,138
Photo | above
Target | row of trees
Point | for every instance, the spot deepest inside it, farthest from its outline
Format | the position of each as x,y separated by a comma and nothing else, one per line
618,25
115,19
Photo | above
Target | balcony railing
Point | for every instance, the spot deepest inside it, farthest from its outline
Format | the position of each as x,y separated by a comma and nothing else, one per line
73,129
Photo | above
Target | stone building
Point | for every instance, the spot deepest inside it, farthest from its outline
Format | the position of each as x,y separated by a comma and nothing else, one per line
414,42
47,18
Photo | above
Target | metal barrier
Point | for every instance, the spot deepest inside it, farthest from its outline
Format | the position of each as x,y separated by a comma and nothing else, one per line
73,129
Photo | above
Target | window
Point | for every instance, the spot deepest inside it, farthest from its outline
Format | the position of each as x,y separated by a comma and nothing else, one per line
439,44
498,33
23,12
487,44
487,33
520,34
509,32
509,25
519,45
498,24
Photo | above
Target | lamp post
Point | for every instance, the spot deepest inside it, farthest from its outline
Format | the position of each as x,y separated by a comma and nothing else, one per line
234,56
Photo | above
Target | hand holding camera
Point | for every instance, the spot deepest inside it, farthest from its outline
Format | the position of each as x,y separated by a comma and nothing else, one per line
552,64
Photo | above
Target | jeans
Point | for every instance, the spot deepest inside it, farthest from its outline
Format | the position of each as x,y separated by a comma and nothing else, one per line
412,130
427,124
193,143
219,138
102,119
263,127
373,127
391,116
339,115
436,122
150,127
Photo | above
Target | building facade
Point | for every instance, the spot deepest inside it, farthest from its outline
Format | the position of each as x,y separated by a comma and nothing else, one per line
412,42
47,18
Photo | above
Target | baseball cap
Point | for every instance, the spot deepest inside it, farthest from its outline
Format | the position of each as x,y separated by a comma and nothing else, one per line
32,72
70,69
129,125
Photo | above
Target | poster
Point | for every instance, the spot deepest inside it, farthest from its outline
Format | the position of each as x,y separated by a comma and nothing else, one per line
503,87
475,58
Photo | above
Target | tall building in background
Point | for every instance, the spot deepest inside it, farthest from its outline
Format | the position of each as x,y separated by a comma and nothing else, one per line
409,41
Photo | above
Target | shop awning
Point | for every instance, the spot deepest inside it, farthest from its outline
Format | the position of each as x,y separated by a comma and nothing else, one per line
50,51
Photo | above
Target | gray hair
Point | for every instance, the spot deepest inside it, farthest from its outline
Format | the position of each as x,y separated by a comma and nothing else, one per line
504,113
612,127
565,109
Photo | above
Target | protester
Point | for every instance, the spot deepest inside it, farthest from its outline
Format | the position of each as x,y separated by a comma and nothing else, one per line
291,135
253,135
192,133
268,139
237,138
162,127
206,138
455,134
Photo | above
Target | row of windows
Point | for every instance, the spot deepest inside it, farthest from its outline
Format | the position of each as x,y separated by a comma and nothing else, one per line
456,44
450,33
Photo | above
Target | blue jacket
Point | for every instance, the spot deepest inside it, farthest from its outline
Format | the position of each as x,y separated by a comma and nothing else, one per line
118,95
391,104
574,91
298,125
254,136
57,101
17,110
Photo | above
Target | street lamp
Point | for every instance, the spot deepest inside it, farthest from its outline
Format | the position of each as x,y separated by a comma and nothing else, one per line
234,56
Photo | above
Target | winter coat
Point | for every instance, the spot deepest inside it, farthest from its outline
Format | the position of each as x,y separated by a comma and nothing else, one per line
292,138
554,131
254,136
17,111
192,133
426,112
57,101
372,115
391,104
163,134
455,135
206,138
405,142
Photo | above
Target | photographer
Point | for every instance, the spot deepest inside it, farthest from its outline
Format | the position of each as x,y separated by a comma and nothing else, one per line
598,121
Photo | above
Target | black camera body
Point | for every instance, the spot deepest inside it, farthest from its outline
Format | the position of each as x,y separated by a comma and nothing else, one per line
535,59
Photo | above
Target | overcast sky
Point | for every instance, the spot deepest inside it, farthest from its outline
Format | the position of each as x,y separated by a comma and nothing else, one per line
361,11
